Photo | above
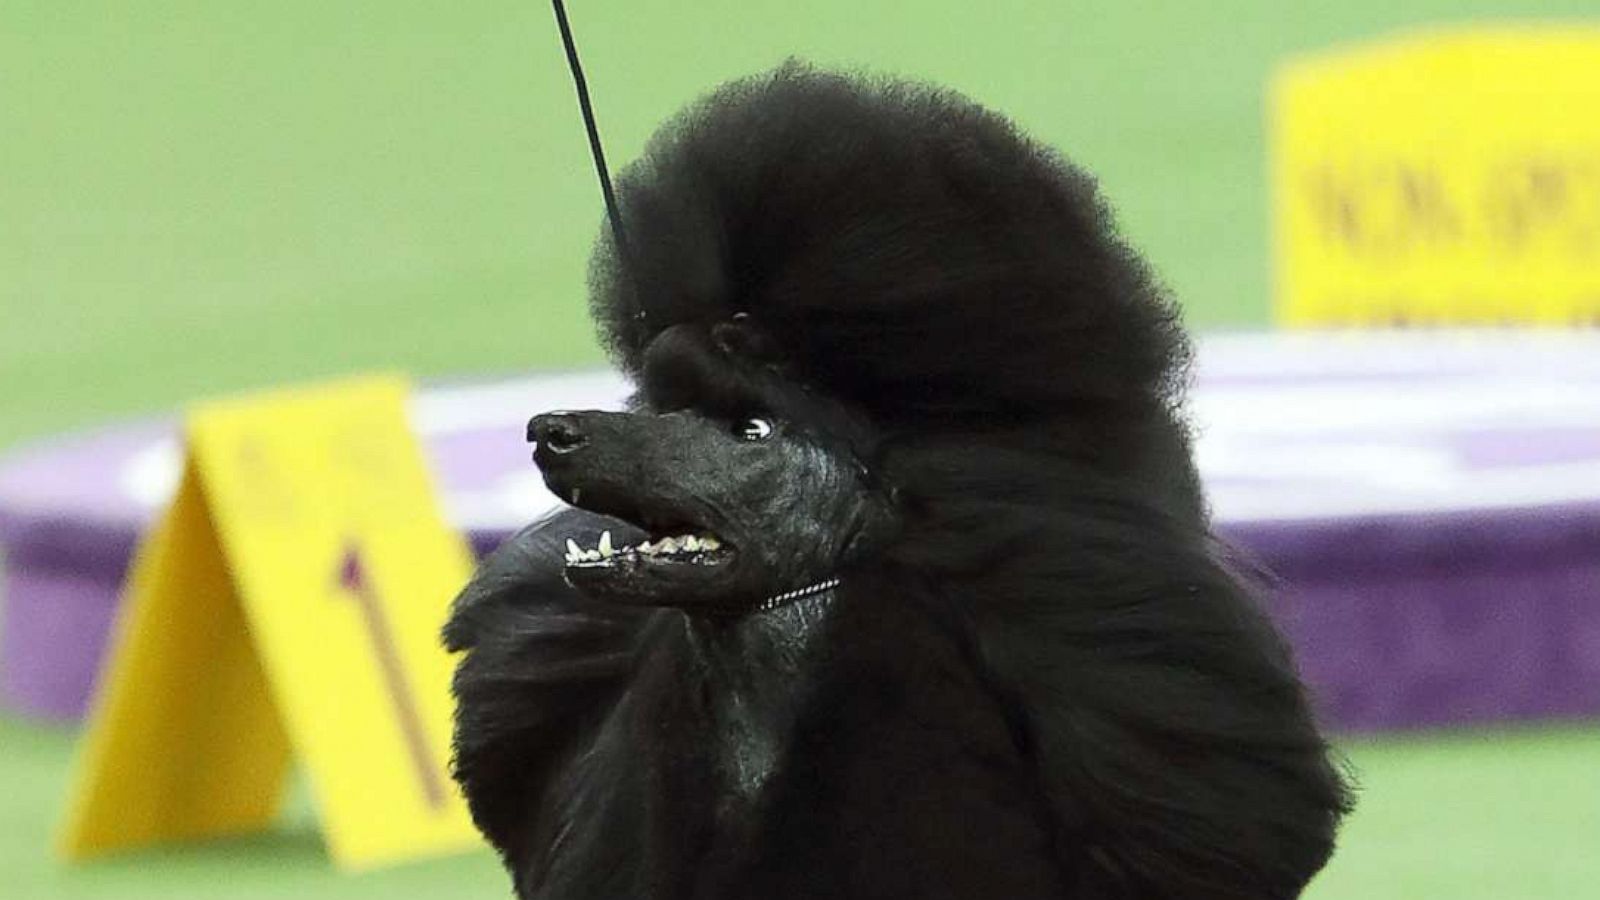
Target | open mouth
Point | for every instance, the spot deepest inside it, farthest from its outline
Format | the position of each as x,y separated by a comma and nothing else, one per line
676,550
665,550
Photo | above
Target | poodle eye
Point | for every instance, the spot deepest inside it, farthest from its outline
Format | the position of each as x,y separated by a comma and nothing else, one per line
753,429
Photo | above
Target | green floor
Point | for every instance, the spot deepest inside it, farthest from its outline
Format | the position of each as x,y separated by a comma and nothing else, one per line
202,196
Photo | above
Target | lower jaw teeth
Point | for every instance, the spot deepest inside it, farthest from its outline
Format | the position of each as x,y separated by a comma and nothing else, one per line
685,546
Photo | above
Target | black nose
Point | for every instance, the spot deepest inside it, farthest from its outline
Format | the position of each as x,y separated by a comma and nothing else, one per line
556,433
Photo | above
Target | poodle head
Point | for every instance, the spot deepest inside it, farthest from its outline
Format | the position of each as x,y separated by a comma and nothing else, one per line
830,284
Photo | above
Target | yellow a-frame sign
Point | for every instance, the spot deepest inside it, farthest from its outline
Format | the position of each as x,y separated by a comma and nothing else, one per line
289,602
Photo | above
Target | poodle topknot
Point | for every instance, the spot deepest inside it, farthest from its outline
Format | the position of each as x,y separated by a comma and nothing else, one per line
916,254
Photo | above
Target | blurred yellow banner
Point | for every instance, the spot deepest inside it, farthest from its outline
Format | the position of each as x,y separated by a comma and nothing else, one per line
1440,178
290,601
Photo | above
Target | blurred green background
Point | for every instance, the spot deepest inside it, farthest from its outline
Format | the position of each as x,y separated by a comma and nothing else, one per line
198,197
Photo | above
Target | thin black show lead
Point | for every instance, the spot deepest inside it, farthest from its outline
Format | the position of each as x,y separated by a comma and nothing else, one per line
595,149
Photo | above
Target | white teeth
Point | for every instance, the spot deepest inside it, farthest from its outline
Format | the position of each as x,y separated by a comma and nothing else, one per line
576,554
606,548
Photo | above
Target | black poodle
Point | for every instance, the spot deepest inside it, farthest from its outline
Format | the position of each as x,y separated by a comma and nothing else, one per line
896,580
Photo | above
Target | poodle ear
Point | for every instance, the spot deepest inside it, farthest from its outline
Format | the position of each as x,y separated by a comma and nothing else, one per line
741,337
880,519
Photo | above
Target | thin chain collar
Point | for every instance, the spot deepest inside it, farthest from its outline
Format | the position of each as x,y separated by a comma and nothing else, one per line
788,597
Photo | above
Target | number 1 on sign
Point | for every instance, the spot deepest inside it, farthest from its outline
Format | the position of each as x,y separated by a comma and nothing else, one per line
354,581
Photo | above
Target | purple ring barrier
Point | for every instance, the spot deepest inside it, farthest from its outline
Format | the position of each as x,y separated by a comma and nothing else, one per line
1429,501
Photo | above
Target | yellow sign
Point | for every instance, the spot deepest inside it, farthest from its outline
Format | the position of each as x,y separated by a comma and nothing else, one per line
288,603
1440,178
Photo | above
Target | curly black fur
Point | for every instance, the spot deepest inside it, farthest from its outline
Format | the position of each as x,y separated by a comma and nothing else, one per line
1049,681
